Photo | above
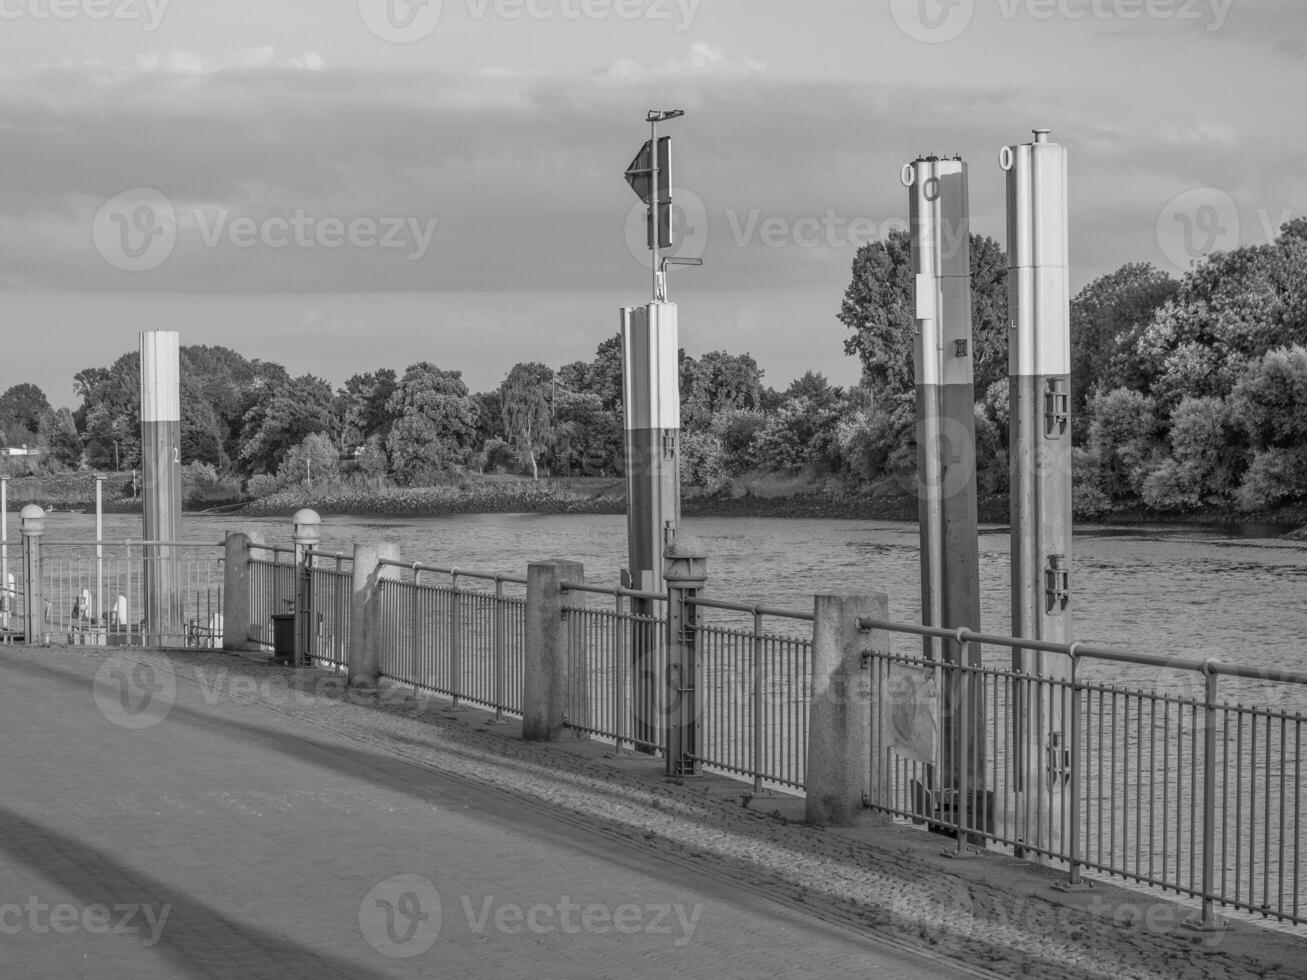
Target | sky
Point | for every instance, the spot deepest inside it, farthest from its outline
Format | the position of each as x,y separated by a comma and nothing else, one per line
345,185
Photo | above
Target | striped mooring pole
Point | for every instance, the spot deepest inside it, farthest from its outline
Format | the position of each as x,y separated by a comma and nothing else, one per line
943,354
1039,369
162,486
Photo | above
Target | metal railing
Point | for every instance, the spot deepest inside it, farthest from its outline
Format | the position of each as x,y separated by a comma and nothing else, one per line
1182,791
466,643
98,593
330,584
754,693
617,644
272,588
1196,791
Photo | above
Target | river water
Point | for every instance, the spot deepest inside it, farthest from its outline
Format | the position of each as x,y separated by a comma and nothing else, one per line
1179,590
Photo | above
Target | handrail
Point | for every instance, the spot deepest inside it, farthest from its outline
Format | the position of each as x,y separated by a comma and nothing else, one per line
416,567
756,609
614,591
131,541
274,548
1083,650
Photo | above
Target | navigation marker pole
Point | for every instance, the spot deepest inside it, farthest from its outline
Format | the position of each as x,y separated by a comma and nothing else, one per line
652,416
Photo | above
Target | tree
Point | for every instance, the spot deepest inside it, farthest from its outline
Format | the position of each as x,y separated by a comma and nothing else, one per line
1107,317
1270,402
314,462
435,424
714,383
587,440
880,308
58,433
22,408
110,414
362,407
282,418
527,398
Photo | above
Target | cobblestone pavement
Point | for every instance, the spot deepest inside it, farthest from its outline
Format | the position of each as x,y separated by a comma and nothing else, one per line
164,821
294,830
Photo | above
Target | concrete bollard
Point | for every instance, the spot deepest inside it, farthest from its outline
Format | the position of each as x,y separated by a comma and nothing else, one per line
839,719
237,611
547,675
363,658
31,525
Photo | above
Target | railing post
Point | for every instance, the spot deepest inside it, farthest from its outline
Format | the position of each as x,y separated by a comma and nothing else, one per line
547,674
685,570
1209,922
31,526
363,656
501,653
305,537
756,693
455,641
838,778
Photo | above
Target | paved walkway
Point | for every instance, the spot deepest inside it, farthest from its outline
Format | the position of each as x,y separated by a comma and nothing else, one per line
161,823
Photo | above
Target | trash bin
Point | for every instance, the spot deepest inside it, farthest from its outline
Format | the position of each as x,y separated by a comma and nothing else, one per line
283,637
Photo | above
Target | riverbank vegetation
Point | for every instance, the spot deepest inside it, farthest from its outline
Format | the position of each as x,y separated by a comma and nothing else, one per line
1189,400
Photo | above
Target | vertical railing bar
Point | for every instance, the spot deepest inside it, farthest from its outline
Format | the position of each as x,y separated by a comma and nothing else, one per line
757,700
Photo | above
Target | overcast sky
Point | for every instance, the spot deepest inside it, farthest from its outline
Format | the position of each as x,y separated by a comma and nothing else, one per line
342,185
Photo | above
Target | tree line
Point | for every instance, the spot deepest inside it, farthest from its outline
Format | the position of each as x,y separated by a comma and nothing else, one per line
1187,393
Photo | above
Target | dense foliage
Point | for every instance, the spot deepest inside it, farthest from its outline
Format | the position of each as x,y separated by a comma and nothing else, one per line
1188,394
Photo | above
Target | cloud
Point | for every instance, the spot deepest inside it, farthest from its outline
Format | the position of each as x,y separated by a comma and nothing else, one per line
183,62
702,59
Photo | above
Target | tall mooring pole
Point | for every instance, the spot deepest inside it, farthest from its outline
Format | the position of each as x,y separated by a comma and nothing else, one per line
942,352
162,489
652,410
1039,369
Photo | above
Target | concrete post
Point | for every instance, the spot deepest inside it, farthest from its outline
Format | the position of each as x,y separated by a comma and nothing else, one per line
685,569
839,717
363,657
31,525
547,676
237,616
305,535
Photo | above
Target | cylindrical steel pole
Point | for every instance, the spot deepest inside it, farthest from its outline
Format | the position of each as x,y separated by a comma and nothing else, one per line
939,209
652,410
161,462
1040,452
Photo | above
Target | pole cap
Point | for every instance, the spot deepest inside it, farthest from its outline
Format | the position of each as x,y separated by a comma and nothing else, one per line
32,519
685,560
306,523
